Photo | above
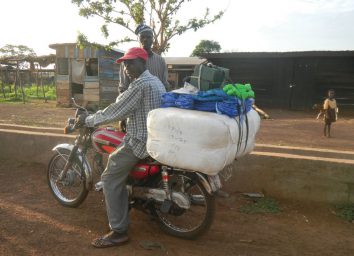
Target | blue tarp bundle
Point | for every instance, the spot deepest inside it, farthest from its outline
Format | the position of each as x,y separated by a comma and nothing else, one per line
185,101
228,107
248,104
169,99
215,100
212,95
209,106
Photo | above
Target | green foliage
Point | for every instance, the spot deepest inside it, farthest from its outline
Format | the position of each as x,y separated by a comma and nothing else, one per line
31,92
161,15
83,42
18,51
262,205
206,46
345,211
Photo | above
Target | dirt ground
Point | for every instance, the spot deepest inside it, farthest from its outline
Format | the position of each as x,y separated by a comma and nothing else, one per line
33,223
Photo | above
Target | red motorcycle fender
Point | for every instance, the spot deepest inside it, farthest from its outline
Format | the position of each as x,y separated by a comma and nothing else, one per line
82,158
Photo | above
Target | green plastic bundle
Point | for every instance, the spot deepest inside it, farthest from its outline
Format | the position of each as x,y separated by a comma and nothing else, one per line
241,91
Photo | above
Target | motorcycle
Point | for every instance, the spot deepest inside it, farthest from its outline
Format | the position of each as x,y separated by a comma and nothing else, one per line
181,201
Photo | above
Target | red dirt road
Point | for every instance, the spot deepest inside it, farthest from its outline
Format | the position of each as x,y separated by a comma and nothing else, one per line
33,223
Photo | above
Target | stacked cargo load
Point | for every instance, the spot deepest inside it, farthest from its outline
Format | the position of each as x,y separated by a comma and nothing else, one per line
203,130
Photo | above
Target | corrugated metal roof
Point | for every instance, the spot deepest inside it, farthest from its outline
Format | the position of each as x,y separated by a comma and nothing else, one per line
184,60
55,46
227,55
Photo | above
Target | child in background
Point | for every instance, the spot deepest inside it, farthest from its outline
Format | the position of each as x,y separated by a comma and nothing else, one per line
331,110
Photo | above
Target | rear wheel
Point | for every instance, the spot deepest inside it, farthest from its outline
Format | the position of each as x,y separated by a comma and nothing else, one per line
187,223
71,191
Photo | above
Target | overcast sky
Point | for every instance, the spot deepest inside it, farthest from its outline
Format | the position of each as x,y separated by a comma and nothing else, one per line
248,25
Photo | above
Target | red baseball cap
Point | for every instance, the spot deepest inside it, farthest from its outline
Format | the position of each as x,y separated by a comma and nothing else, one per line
134,53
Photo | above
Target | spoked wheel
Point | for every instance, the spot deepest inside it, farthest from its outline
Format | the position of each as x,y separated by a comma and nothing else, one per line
71,191
194,221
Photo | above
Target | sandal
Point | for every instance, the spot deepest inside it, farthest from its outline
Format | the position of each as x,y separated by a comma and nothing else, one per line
110,239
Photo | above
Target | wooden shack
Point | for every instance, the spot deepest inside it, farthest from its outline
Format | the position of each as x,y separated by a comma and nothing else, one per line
179,68
294,80
89,75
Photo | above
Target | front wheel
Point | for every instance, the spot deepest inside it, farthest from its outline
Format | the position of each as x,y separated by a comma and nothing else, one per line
71,191
187,223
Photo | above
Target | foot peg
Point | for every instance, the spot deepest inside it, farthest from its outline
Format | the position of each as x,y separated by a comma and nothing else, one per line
99,186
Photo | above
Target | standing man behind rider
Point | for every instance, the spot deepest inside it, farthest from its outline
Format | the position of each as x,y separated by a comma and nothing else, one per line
155,63
143,95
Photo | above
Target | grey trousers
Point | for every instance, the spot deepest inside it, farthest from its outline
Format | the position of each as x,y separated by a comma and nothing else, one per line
114,178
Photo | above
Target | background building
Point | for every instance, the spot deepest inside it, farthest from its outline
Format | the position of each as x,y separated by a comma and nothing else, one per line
179,68
294,80
89,75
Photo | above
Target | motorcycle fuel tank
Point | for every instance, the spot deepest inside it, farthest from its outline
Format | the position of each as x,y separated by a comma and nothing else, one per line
107,139
142,171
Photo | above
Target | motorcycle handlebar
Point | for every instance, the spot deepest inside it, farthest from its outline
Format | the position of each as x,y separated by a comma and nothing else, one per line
72,125
78,107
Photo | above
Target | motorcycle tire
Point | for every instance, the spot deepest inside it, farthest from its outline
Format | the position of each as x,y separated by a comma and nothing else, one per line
75,174
205,221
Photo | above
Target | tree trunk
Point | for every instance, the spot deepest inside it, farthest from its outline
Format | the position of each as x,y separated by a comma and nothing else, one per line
31,69
2,84
37,84
45,99
16,80
22,90
7,80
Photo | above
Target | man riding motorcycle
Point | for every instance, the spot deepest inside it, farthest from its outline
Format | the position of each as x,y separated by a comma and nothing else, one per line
143,95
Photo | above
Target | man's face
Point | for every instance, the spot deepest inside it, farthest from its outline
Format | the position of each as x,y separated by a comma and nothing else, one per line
146,39
133,68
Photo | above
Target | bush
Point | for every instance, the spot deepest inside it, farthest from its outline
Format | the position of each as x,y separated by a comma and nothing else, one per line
345,211
31,92
261,205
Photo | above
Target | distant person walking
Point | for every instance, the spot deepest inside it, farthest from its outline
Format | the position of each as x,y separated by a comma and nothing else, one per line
330,110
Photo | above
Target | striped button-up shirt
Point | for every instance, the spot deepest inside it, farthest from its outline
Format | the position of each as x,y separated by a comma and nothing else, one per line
142,96
156,66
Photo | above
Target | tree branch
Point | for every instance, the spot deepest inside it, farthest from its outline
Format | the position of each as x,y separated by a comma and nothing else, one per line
176,8
159,13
